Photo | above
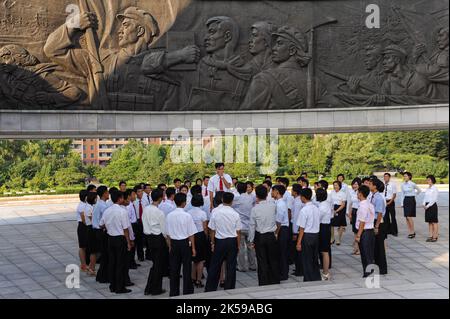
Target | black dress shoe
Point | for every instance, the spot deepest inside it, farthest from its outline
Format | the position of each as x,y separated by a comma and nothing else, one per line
147,293
129,284
163,291
124,291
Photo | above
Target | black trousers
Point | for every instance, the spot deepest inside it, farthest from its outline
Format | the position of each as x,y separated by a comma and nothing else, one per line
310,257
103,271
380,251
367,250
224,250
117,262
180,254
267,252
138,230
292,245
390,221
157,248
284,243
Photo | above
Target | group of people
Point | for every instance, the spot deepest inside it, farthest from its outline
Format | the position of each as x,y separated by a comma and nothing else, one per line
222,225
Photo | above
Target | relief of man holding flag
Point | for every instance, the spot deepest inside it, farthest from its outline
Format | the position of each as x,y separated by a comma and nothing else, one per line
132,77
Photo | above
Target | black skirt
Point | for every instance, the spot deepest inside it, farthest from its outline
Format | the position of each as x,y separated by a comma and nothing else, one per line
339,220
324,238
431,214
354,210
409,206
201,246
93,243
82,232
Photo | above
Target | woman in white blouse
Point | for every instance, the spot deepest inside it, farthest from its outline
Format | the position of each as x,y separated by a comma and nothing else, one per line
339,205
431,208
409,201
353,208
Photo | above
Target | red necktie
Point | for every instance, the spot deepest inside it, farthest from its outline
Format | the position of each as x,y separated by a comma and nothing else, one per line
221,185
140,210
206,191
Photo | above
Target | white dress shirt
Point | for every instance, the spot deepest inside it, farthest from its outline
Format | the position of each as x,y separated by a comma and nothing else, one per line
431,196
243,205
87,211
199,216
338,197
298,205
167,206
282,215
115,220
389,190
80,210
409,189
366,214
153,220
326,212
225,222
214,183
146,199
289,199
97,214
180,225
309,219
354,198
132,213
262,219
130,228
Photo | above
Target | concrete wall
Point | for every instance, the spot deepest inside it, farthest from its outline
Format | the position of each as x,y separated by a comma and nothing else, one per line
92,124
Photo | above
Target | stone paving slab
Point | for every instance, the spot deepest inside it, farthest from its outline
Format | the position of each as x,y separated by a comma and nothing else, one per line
33,259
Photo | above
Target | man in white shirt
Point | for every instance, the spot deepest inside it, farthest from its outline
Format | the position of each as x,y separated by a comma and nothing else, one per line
220,182
243,204
168,205
146,196
282,232
262,226
295,255
205,193
365,237
130,254
390,194
225,226
139,204
180,231
154,222
308,237
116,224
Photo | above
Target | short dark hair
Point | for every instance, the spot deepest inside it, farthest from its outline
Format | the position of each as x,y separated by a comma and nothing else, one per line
170,191
116,196
380,185
364,190
321,195
180,198
306,193
267,177
297,188
137,187
121,183
157,194
184,186
432,178
198,180
235,178
91,198
205,177
365,179
280,188
241,187
128,193
387,174
227,198
218,198
176,180
357,180
187,181
101,190
250,183
339,184
147,185
161,186
261,192
196,189
82,194
197,200
285,181
408,173
113,189
324,184
219,165
91,187
268,182
340,175
304,173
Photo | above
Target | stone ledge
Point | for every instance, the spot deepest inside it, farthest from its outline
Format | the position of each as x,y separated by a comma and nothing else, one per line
97,124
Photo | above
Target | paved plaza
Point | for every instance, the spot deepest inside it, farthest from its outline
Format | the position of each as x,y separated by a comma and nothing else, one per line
38,241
